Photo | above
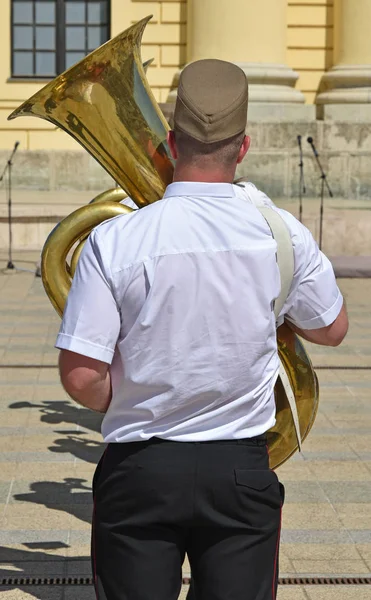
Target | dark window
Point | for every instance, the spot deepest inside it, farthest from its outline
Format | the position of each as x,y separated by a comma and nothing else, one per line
49,36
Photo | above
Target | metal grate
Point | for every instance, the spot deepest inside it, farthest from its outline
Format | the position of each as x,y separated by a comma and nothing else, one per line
44,581
87,581
325,581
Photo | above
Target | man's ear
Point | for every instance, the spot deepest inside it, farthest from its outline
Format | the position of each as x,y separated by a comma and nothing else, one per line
172,144
244,149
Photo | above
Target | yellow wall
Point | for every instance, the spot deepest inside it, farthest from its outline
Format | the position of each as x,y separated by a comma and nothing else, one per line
309,52
164,40
310,42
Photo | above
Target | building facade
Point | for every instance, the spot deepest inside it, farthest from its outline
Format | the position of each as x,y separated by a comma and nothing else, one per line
298,54
309,67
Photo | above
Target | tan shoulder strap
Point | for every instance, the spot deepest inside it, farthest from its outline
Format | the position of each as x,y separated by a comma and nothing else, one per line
285,253
281,234
285,261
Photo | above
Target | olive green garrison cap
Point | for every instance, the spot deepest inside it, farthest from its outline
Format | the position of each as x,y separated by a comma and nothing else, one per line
212,101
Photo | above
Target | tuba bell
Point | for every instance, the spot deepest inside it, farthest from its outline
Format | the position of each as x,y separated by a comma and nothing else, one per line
106,104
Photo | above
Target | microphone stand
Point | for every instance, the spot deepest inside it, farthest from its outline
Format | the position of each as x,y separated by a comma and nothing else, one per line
8,168
302,189
323,183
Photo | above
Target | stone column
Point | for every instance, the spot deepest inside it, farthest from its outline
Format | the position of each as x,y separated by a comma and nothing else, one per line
252,34
346,88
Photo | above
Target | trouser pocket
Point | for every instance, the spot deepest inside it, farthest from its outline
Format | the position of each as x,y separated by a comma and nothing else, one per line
259,487
282,492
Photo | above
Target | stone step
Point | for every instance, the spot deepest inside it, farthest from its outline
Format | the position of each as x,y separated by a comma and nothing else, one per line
35,213
346,223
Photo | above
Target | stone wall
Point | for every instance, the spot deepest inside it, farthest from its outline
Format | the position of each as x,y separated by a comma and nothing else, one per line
56,170
272,163
344,149
47,186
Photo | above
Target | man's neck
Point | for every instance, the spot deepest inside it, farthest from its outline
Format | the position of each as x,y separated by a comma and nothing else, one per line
185,173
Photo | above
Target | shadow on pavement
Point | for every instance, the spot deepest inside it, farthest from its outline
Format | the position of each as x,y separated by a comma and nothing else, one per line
82,448
73,496
56,412
35,563
59,412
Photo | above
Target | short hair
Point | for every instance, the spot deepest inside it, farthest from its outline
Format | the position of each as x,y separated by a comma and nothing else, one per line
192,150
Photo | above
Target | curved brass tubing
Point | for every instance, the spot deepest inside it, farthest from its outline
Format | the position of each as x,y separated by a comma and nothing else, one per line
78,224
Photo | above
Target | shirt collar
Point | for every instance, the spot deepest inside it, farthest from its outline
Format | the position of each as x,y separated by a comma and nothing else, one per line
196,188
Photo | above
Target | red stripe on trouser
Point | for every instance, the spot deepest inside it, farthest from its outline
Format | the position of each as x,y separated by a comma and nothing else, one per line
274,594
274,590
93,544
94,557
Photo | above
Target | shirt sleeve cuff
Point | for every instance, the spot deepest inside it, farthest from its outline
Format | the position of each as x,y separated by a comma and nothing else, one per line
323,320
84,347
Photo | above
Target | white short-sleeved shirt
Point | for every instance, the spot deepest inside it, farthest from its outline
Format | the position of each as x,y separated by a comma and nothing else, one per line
178,297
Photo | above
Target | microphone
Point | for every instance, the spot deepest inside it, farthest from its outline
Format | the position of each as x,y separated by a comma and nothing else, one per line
300,147
310,141
324,182
301,181
9,161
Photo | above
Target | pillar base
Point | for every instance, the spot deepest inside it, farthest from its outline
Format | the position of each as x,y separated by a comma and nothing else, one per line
271,112
355,113
268,84
346,93
271,83
268,112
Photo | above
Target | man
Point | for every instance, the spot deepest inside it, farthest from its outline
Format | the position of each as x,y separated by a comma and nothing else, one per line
170,331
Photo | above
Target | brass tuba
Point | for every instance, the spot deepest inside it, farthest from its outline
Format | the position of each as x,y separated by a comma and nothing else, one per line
106,104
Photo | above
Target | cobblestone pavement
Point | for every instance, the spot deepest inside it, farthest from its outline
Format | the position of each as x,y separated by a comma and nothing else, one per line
49,447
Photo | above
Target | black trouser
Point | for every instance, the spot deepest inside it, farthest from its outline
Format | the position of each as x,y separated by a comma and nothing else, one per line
216,501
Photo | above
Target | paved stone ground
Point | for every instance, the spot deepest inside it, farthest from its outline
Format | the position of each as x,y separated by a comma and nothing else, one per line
49,447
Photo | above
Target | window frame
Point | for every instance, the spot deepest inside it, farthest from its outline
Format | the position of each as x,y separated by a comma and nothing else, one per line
60,38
